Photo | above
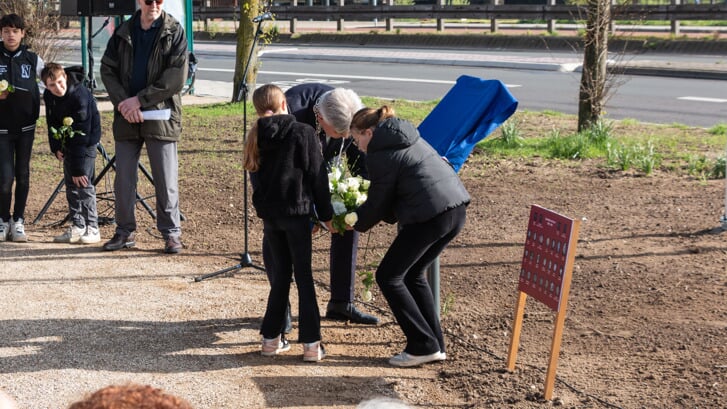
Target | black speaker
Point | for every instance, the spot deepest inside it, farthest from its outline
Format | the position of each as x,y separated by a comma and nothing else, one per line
75,8
113,7
85,8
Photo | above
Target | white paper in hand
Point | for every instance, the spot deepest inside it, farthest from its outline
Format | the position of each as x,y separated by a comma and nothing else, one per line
157,115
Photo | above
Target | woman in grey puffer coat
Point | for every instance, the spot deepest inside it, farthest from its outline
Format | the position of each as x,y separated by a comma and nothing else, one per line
412,184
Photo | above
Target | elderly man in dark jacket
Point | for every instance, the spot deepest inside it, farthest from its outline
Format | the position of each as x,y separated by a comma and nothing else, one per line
329,109
144,68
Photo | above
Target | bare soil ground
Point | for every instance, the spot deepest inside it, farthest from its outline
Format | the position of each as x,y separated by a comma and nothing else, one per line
646,321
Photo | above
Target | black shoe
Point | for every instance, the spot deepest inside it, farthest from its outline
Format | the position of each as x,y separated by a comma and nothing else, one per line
172,245
347,312
120,241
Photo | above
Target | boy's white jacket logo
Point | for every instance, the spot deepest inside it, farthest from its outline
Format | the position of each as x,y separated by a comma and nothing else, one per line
25,70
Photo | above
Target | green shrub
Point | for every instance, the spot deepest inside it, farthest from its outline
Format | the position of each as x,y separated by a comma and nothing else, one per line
510,135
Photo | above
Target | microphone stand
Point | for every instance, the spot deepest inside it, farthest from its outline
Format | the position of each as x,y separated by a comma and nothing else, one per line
245,259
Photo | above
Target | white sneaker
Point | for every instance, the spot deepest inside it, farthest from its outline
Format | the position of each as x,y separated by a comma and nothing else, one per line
313,351
71,235
91,236
4,230
406,359
17,231
275,346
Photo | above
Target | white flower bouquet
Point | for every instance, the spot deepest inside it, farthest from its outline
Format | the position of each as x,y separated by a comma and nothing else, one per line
348,192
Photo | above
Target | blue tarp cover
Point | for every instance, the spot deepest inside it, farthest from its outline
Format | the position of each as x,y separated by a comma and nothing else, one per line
468,113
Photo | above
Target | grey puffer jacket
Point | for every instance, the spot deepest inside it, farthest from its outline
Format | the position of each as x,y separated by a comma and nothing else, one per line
409,180
167,72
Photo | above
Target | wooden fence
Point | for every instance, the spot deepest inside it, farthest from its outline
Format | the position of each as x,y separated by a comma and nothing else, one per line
530,12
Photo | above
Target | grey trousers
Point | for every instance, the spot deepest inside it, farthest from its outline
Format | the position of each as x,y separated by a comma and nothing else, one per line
164,169
82,200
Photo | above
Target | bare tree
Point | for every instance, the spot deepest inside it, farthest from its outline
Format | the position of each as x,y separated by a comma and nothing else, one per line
42,25
245,43
593,89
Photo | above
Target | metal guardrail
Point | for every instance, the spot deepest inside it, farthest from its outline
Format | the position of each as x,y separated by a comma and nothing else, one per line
488,12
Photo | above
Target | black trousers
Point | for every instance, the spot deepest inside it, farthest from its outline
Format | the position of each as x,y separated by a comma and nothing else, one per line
289,241
15,152
344,250
402,278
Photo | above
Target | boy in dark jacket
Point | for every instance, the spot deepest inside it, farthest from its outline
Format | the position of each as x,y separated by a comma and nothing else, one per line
74,130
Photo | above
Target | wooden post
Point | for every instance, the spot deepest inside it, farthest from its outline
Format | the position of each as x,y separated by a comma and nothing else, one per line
516,329
551,22
675,24
494,26
389,21
560,317
339,23
440,21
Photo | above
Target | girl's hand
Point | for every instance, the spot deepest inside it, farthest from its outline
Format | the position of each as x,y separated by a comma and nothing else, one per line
329,226
59,155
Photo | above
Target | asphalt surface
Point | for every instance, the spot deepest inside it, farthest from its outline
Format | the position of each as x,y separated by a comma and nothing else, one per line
685,58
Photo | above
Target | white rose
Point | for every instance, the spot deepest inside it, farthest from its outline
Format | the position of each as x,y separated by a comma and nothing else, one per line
342,187
68,121
351,218
353,183
4,85
335,174
338,207
361,198
365,184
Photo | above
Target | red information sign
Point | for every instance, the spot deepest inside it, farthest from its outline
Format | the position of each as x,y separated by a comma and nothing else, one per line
545,255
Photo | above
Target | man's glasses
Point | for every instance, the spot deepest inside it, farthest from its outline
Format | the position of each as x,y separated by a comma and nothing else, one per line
149,2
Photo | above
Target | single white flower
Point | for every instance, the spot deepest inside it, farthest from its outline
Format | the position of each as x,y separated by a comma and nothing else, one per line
361,198
342,187
365,184
335,174
353,183
67,121
338,207
4,85
366,295
351,218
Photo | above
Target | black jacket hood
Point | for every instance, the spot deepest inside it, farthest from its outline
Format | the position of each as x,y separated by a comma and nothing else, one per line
393,134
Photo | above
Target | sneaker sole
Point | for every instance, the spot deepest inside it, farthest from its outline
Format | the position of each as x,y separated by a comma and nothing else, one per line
314,358
127,245
94,241
285,348
416,360
20,240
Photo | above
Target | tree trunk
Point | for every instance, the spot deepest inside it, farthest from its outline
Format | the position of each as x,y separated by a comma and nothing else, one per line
245,44
592,94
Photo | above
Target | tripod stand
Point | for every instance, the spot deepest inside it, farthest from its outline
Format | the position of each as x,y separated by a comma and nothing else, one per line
245,259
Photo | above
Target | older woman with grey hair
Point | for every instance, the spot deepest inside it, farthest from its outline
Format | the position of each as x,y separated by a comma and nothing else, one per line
330,111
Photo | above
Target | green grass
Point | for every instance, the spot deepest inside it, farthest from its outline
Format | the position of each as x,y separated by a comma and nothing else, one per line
626,145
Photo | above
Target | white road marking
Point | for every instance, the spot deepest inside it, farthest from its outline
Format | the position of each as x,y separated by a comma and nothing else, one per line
353,77
704,99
